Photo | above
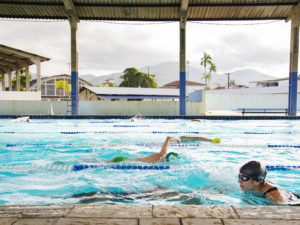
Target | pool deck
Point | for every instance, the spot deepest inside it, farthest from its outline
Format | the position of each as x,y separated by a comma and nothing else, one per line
148,215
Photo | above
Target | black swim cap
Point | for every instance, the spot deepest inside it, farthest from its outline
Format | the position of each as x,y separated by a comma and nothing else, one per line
254,170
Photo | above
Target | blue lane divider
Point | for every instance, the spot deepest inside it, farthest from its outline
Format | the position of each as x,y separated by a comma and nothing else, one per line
289,132
155,145
283,146
175,132
79,167
272,168
131,126
144,131
120,167
72,132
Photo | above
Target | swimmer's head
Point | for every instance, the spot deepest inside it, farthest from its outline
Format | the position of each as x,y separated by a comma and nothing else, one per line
171,156
255,170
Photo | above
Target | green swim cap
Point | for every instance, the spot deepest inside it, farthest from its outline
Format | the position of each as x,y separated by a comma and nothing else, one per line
171,155
119,159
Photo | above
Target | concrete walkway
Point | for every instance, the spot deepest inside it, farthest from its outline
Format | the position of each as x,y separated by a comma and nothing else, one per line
148,215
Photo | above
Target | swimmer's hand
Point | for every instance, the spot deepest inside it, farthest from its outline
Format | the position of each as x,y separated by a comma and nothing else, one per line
177,139
216,140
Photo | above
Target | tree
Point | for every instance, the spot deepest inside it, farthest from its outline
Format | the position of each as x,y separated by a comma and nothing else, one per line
22,80
133,78
232,83
213,68
62,85
206,60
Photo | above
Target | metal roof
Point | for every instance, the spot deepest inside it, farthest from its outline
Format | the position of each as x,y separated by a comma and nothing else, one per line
272,80
12,58
148,10
59,76
133,91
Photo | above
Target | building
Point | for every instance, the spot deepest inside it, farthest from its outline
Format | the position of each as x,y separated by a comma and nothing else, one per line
273,82
127,94
190,85
49,90
110,82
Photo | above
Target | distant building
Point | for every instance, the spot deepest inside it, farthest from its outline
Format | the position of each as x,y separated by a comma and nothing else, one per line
190,85
50,92
90,93
110,82
272,83
238,86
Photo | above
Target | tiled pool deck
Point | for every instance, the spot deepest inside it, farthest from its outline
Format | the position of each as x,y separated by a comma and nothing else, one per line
148,215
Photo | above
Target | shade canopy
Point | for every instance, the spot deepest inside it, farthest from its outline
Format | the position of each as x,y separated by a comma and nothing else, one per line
147,10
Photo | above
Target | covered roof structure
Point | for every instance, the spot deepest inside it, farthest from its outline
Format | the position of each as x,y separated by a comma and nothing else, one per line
148,10
161,10
12,58
133,93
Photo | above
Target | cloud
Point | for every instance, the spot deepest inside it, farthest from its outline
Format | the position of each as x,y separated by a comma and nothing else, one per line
105,48
244,50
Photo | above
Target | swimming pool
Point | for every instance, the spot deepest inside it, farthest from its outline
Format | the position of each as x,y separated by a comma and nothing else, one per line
37,161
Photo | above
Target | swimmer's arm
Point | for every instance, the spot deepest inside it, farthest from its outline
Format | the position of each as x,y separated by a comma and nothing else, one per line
164,148
195,138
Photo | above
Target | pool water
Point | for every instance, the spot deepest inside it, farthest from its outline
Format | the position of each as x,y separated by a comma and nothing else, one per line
36,161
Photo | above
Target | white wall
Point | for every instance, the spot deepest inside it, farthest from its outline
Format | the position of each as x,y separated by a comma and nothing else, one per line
254,90
158,108
20,95
222,101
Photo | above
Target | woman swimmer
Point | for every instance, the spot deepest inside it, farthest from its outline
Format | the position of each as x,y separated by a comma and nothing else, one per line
252,178
162,155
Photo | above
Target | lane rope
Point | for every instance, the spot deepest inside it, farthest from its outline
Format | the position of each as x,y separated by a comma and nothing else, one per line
79,167
152,132
156,145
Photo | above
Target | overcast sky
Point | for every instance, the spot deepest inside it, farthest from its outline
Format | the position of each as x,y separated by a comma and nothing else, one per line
107,47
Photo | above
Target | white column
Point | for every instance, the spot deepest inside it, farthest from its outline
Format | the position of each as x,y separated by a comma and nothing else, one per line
27,78
3,81
9,81
17,79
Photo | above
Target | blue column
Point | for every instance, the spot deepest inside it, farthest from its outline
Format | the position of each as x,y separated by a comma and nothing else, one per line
292,110
182,93
74,92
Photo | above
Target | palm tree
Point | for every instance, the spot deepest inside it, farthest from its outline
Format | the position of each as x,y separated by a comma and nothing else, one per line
205,61
213,68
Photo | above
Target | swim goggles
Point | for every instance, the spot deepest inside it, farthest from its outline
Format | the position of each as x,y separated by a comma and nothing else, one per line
244,178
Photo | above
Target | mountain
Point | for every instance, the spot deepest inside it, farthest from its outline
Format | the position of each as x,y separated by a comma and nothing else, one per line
169,71
88,77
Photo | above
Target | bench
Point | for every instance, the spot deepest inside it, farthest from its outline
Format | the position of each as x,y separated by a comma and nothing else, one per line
262,110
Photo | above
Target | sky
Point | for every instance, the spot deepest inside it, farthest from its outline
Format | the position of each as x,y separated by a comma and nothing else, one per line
111,47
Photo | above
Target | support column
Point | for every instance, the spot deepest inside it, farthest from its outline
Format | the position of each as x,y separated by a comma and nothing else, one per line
182,54
38,75
3,81
17,80
73,20
27,78
74,70
293,75
9,81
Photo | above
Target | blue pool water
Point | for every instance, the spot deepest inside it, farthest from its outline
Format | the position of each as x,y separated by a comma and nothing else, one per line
36,161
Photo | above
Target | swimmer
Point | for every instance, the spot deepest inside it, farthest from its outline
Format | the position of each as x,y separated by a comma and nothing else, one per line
135,118
162,155
252,178
22,119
